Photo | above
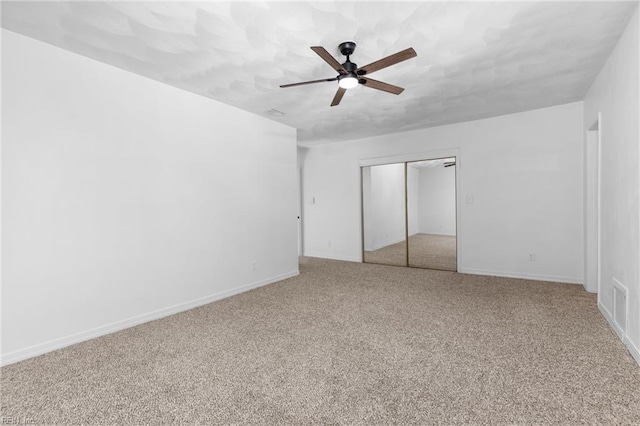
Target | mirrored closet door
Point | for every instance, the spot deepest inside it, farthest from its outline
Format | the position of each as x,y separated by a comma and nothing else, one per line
431,203
409,214
383,214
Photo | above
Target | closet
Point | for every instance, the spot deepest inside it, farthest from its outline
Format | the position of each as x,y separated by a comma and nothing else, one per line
409,214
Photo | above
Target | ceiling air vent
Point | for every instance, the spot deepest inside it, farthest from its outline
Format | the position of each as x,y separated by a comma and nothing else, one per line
275,113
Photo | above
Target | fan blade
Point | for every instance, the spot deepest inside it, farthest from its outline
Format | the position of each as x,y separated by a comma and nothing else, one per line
333,62
309,82
387,62
385,87
338,97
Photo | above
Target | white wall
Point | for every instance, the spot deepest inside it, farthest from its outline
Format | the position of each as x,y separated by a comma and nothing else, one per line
384,215
437,200
615,95
413,199
524,172
126,199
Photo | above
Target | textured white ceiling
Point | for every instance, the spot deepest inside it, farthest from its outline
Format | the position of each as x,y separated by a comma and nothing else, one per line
474,60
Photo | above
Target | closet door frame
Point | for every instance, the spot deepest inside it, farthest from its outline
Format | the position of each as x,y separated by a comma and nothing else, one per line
407,158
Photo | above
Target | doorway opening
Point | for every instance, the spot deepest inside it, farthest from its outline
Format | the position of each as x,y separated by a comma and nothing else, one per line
592,209
409,214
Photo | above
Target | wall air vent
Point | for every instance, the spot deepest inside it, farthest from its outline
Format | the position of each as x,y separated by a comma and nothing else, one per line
620,306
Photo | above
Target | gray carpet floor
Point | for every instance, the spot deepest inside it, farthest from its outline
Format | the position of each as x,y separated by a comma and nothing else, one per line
425,251
347,343
433,251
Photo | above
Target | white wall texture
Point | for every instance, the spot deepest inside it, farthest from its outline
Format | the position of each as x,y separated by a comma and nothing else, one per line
437,200
126,199
615,95
523,171
413,200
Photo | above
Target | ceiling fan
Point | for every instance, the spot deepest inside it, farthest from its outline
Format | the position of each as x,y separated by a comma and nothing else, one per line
349,75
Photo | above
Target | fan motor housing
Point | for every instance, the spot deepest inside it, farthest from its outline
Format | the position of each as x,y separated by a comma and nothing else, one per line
350,67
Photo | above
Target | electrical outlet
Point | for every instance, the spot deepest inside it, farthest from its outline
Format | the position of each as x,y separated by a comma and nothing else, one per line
532,257
253,266
329,243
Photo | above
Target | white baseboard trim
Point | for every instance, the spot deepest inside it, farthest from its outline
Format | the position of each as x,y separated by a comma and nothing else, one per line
334,257
633,350
609,317
55,344
444,234
522,275
631,347
385,244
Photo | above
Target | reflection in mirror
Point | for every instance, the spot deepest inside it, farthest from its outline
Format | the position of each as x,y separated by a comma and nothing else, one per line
383,214
431,213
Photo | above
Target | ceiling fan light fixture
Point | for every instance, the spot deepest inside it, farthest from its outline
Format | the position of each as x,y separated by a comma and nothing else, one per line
348,81
350,75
